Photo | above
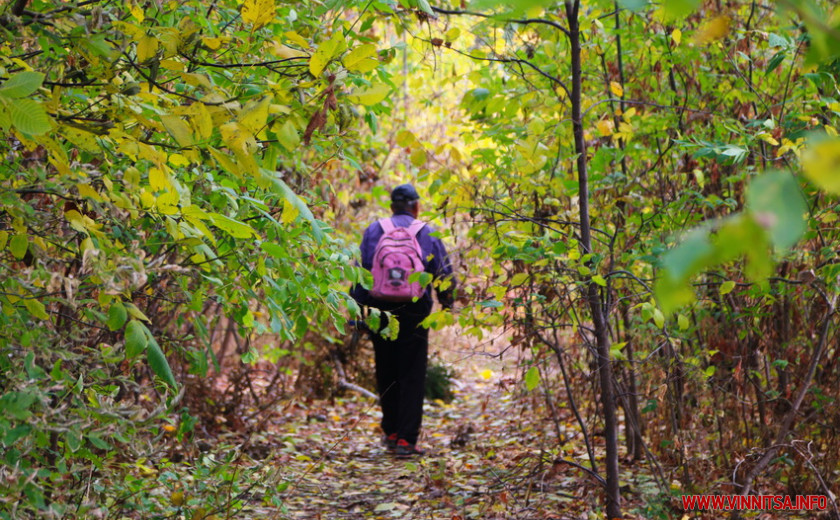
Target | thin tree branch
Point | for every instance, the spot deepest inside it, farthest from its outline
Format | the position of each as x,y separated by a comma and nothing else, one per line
525,21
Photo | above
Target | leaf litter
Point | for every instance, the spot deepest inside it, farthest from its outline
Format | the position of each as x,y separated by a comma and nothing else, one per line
489,454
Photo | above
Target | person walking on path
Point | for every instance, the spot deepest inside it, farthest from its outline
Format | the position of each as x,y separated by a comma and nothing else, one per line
401,362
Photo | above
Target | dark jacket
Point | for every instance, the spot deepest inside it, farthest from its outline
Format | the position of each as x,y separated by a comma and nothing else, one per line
435,260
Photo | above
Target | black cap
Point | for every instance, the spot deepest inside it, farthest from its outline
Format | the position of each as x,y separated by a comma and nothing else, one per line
404,193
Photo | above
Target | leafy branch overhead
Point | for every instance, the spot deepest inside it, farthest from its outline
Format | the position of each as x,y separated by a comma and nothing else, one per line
640,199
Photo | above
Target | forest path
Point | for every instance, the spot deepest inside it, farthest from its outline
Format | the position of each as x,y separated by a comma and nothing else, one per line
488,456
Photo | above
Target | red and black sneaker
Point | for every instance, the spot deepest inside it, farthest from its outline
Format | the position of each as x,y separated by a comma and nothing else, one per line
390,442
405,450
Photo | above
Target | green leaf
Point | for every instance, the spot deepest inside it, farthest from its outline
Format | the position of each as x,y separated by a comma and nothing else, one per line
157,360
134,311
658,318
21,84
74,440
777,205
18,246
532,378
371,95
599,280
29,117
36,308
274,250
135,339
710,370
513,7
301,206
424,6
679,8
726,287
633,5
325,52
418,157
232,227
288,136
518,279
682,321
117,316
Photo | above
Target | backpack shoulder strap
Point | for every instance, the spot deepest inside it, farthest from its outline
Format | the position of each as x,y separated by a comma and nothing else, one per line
415,227
387,225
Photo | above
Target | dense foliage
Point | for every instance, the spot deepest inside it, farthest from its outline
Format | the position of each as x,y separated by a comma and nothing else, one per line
656,181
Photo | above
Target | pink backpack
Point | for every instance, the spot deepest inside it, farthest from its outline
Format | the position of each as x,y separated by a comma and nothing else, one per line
398,255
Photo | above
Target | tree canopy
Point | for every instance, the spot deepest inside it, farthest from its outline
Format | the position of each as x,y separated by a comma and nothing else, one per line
641,194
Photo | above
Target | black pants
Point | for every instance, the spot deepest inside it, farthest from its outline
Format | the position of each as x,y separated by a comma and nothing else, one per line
401,375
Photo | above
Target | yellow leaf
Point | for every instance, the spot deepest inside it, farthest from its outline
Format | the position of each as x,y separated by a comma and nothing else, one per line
616,89
767,138
85,190
258,12
213,43
294,37
605,127
325,52
676,35
202,121
821,163
225,162
713,30
74,218
196,80
372,95
498,292
178,129
233,136
486,374
146,47
406,138
194,213
167,202
174,65
285,52
177,160
290,212
137,12
254,115
158,179
147,200
360,58
418,157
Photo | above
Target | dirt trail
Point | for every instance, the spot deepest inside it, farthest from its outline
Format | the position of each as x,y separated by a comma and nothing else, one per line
488,456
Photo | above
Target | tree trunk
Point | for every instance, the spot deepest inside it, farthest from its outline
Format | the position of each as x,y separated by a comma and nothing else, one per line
593,293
